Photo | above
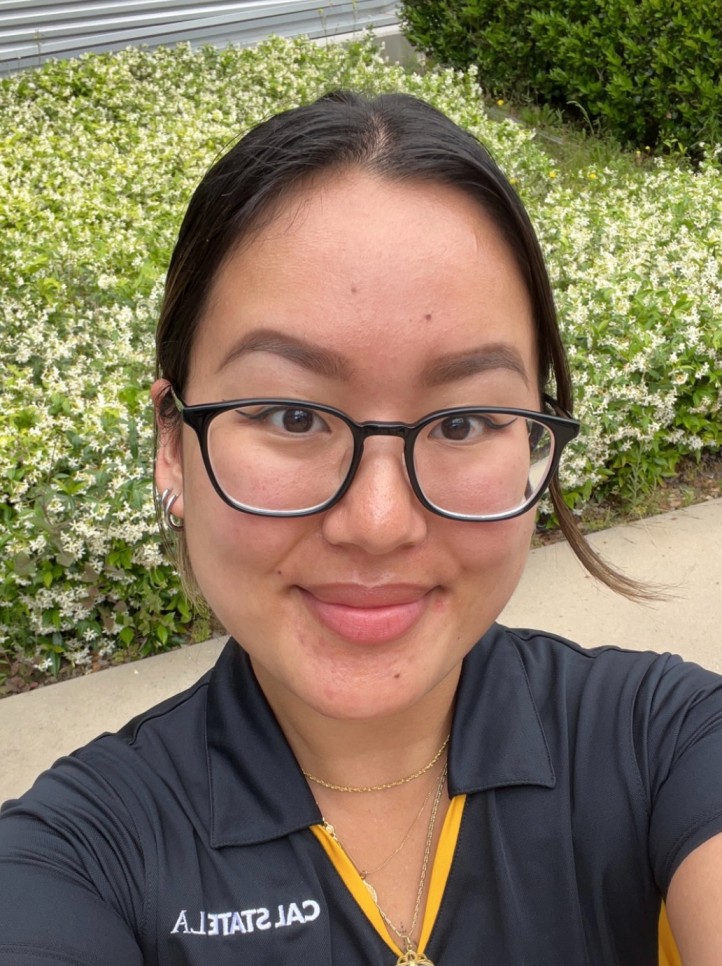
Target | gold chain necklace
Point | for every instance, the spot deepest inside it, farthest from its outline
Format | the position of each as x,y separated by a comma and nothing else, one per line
385,785
410,956
364,873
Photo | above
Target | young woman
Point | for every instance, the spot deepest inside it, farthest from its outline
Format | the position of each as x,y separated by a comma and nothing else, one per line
361,397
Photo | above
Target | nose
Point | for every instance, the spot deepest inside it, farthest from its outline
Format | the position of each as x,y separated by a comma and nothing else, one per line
379,512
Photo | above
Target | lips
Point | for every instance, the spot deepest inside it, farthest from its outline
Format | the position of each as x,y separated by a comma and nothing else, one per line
367,615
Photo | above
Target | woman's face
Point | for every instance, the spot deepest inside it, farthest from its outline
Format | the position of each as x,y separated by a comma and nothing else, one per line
387,301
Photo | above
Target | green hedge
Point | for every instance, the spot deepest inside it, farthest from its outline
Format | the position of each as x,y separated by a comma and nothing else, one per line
98,158
649,71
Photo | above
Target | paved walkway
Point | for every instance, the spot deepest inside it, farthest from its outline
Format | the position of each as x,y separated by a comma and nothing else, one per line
682,550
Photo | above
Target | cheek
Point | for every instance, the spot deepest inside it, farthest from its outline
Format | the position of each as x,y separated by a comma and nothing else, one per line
227,547
252,545
493,555
494,561
238,562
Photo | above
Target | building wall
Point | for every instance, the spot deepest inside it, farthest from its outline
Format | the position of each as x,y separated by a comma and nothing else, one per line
31,32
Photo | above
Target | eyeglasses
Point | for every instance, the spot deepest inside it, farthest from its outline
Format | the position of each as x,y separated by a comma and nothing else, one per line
290,458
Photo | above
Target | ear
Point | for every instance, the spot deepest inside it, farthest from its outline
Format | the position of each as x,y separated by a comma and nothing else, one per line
169,455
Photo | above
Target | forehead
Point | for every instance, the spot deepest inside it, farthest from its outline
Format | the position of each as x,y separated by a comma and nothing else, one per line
376,272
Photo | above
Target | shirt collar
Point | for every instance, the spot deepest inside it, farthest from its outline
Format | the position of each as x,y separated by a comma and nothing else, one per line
257,789
497,738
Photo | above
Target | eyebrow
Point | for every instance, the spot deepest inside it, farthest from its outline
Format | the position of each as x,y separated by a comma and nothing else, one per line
324,362
482,359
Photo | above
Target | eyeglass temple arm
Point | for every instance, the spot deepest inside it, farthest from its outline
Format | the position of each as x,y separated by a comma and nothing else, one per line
177,401
555,407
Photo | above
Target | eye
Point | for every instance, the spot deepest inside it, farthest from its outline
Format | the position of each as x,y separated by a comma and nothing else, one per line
468,428
296,420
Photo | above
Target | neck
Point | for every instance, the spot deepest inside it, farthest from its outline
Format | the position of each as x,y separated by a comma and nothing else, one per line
363,751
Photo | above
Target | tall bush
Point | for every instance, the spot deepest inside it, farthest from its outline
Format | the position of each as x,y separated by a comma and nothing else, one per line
648,71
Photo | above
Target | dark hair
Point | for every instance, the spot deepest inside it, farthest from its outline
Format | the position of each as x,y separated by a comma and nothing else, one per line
394,135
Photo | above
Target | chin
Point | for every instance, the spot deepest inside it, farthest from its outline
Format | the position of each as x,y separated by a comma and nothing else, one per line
390,688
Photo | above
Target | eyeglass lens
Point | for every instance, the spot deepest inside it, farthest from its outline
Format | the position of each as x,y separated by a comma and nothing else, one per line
281,458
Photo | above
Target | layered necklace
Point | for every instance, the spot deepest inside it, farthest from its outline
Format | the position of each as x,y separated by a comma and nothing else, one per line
410,955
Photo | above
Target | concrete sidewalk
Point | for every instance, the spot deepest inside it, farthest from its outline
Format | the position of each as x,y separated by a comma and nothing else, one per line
682,550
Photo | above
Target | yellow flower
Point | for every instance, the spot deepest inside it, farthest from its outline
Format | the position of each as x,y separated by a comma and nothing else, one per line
500,102
552,174
592,176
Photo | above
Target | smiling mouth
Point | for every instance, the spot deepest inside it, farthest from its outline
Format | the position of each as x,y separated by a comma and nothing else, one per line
364,615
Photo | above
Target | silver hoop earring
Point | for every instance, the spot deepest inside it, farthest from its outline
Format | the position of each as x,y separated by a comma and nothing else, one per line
167,499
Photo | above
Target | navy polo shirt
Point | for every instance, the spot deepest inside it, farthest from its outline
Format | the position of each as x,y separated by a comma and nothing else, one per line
579,781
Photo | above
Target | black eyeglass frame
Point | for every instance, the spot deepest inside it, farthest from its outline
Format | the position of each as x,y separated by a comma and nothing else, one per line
562,427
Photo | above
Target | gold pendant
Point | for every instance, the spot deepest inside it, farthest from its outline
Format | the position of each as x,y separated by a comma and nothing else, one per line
412,958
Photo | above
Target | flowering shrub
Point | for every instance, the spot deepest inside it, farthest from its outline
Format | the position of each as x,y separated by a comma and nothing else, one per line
636,265
98,159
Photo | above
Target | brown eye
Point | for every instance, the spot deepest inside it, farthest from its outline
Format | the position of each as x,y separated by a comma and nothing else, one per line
470,427
286,420
298,420
455,428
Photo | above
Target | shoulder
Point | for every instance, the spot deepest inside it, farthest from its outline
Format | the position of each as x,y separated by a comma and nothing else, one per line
549,659
650,721
654,698
116,777
83,841
173,727
638,710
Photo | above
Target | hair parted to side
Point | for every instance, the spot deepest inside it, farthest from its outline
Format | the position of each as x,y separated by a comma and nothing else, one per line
398,137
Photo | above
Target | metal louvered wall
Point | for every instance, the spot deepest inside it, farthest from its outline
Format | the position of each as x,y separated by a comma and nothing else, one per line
31,32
